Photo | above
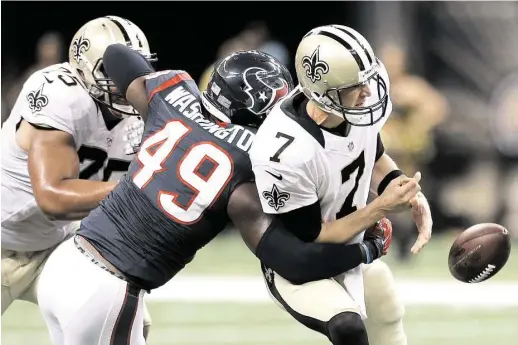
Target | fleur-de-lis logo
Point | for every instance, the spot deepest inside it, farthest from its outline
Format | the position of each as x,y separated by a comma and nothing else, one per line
314,66
37,100
79,46
276,198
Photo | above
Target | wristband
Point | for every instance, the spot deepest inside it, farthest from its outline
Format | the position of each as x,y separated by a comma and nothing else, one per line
366,255
386,180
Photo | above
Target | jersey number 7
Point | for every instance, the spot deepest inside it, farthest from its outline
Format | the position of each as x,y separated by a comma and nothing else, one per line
206,187
357,165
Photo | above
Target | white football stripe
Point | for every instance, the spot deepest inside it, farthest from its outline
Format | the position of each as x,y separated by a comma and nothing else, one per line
246,289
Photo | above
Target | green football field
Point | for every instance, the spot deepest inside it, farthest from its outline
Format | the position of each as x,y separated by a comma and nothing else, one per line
263,323
239,324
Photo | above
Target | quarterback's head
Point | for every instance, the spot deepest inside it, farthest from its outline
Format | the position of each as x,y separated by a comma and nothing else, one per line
337,69
86,52
245,86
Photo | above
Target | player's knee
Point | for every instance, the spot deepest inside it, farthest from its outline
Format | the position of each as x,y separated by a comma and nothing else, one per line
347,328
384,305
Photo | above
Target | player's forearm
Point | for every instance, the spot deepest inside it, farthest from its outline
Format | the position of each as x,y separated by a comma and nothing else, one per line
126,67
73,199
346,228
384,165
301,262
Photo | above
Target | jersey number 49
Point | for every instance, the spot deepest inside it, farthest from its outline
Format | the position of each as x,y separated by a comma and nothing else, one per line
206,187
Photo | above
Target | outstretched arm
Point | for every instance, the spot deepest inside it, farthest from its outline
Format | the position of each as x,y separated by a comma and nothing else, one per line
54,170
293,259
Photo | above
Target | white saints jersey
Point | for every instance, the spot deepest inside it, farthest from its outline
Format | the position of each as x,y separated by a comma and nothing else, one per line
53,97
297,164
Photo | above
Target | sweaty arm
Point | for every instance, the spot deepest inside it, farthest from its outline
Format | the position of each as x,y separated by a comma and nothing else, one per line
54,169
292,258
128,69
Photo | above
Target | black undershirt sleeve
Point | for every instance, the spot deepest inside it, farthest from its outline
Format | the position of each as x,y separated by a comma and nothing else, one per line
301,262
306,221
380,148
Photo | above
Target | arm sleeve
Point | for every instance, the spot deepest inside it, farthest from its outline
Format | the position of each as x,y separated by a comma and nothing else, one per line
124,65
278,248
301,262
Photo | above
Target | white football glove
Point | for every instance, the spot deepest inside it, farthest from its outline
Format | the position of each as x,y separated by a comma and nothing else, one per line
133,136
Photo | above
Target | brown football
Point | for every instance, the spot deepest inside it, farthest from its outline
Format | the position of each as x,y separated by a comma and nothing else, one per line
479,252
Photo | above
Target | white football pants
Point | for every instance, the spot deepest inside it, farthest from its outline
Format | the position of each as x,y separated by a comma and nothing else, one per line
82,304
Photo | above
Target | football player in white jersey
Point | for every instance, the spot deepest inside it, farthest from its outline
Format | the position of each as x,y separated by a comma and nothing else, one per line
62,152
315,158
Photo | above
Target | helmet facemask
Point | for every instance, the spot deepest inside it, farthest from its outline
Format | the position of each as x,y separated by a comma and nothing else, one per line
357,116
85,57
333,62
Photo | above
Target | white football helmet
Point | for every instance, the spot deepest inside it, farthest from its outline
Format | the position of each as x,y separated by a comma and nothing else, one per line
86,53
334,58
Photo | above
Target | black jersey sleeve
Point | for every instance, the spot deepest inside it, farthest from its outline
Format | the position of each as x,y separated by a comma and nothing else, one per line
307,217
380,148
292,258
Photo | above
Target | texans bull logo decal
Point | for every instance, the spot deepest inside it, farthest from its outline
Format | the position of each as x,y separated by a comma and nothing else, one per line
263,101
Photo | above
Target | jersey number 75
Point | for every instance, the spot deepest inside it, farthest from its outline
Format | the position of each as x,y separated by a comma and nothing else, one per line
206,187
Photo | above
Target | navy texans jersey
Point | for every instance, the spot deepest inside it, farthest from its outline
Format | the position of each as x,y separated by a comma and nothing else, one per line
173,199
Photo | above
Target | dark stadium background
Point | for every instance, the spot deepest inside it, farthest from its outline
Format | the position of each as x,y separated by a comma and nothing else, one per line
185,35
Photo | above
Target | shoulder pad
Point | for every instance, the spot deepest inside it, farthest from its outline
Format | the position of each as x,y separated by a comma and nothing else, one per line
280,138
54,97
160,81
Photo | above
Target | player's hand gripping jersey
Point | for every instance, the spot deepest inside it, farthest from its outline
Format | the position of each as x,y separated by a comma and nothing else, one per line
54,98
173,199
